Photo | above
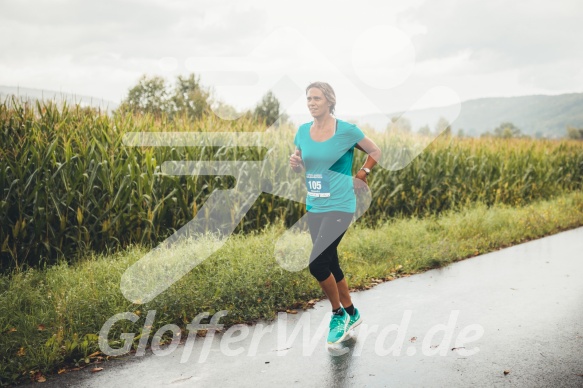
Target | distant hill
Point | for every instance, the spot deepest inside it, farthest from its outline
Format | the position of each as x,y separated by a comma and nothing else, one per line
37,94
537,116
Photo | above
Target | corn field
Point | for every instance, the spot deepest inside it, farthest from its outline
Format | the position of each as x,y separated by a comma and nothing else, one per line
69,184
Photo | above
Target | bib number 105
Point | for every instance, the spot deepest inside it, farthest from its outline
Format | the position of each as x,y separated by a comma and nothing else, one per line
315,185
318,185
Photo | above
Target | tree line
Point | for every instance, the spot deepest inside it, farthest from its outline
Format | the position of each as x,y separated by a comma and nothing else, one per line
187,97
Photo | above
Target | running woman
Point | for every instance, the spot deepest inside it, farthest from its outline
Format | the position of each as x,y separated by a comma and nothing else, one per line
325,149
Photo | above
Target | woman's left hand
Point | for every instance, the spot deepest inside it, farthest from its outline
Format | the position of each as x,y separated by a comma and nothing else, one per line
360,184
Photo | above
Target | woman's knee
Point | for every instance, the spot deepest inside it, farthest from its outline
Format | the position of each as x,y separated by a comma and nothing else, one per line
338,274
319,271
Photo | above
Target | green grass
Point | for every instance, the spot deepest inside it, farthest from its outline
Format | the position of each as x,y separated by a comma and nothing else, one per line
49,318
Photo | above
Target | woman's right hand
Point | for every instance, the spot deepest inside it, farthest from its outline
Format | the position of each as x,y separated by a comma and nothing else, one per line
295,161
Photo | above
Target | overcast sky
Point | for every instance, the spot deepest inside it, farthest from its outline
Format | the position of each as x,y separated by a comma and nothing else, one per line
380,56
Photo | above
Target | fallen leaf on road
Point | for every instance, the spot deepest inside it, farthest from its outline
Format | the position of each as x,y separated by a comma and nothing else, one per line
96,370
291,311
37,376
413,339
180,380
506,371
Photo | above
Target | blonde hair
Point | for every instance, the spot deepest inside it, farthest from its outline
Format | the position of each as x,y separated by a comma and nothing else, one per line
328,92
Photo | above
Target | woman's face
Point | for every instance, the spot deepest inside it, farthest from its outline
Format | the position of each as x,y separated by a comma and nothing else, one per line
317,103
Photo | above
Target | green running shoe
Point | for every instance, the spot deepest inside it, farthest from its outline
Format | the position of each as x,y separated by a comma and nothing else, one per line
354,320
338,327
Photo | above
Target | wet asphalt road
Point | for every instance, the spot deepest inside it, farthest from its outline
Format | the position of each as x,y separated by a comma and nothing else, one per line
518,310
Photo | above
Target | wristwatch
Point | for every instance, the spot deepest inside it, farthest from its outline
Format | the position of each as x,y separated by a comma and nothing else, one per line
367,170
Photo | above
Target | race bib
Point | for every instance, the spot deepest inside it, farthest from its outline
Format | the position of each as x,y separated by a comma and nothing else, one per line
318,185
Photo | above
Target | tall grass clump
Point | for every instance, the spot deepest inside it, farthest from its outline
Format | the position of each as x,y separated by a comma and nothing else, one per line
454,171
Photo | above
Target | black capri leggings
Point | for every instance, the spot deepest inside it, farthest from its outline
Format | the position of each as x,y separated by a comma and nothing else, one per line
327,229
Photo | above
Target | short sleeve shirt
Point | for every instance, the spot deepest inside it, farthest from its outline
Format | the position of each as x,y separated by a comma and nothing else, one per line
328,167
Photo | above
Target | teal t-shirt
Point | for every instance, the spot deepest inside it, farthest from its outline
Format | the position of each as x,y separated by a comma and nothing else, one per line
328,167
